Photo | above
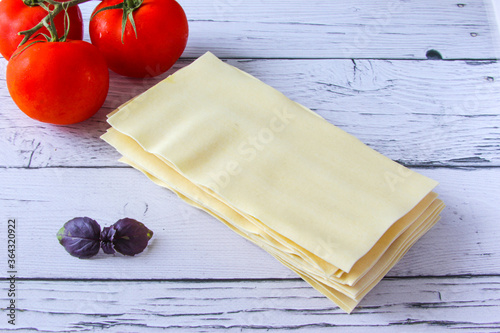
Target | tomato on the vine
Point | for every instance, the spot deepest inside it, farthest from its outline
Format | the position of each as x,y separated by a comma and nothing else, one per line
58,82
15,16
152,48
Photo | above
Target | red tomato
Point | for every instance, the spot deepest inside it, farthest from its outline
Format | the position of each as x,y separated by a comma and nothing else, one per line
15,16
162,33
58,82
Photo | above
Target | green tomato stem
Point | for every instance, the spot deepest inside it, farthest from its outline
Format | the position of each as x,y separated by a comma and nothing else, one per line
128,7
48,21
31,3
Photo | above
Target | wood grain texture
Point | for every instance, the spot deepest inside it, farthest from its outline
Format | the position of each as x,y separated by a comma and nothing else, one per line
189,243
395,305
362,65
392,29
441,113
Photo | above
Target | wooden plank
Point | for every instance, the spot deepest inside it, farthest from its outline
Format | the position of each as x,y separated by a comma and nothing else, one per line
416,112
395,305
332,29
189,244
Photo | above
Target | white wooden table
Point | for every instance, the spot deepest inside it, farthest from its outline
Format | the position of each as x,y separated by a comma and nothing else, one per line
362,64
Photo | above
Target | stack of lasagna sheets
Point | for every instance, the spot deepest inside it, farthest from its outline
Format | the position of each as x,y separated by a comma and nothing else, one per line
333,210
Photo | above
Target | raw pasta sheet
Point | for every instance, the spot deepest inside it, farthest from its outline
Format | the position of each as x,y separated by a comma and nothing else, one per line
324,204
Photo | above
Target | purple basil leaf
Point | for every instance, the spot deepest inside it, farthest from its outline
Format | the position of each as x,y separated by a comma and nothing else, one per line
131,236
80,237
107,236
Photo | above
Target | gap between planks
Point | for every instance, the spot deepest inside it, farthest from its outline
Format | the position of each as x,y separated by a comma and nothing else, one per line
236,280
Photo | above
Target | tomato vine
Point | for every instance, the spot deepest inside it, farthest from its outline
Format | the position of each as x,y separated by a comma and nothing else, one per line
48,21
50,66
128,7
